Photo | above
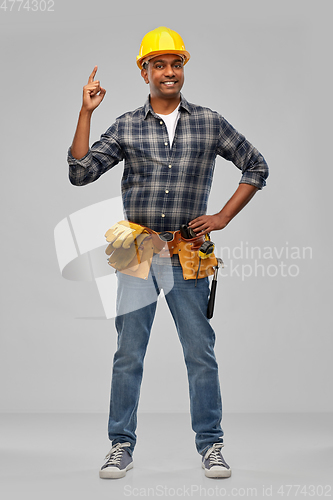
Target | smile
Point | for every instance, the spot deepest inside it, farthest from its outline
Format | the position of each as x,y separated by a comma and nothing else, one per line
168,84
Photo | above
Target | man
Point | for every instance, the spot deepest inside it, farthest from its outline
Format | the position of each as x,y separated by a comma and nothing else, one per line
169,147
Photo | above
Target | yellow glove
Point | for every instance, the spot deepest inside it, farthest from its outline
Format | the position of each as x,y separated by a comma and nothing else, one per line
123,234
121,257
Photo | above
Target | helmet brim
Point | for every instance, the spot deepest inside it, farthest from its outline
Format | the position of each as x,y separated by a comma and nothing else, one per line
150,55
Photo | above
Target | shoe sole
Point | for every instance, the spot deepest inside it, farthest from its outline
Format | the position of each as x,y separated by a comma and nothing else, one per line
216,473
114,473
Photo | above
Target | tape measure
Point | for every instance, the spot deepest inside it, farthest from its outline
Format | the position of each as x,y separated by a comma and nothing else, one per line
206,249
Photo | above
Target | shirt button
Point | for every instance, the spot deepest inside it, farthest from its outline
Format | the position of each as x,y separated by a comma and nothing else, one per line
161,123
165,144
170,166
167,190
163,215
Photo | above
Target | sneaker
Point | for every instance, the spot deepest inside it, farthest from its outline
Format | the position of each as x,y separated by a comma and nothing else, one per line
119,461
214,463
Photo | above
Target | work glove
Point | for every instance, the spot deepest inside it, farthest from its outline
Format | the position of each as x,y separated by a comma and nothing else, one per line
123,234
120,258
126,245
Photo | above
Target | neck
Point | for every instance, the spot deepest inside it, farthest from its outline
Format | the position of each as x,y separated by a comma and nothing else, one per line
164,106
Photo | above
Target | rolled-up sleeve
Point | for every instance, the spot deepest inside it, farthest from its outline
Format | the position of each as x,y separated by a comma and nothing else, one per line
234,147
101,157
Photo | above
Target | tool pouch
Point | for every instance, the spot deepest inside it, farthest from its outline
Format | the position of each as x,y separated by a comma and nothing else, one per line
188,251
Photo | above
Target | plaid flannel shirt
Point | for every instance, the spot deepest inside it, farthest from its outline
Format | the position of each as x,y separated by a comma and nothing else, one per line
165,187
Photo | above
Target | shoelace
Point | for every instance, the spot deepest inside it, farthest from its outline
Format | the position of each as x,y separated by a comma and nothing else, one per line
115,454
214,454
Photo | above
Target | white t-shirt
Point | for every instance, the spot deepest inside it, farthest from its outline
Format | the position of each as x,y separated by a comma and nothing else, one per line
170,121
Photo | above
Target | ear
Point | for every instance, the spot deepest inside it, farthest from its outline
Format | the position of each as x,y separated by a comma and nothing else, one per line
144,75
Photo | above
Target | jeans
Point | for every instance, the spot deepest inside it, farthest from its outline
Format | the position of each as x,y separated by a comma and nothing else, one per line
136,306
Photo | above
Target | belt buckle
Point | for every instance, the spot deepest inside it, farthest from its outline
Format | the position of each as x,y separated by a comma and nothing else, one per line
167,237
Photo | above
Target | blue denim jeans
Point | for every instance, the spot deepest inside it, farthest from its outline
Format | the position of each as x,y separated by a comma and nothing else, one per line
136,306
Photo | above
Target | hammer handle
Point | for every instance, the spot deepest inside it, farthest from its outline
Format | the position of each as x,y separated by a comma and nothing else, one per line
210,308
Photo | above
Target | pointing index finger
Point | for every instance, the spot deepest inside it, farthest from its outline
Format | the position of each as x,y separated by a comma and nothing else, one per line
92,76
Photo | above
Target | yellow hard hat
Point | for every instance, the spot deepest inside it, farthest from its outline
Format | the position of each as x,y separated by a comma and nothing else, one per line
162,40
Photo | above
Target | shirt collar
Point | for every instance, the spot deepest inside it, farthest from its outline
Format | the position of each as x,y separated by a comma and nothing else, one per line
183,104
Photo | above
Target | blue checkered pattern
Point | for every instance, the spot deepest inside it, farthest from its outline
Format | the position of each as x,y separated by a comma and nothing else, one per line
165,187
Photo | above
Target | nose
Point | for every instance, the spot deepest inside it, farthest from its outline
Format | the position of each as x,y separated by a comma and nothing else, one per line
169,71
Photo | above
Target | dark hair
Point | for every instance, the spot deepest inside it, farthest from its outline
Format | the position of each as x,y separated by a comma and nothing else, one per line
145,65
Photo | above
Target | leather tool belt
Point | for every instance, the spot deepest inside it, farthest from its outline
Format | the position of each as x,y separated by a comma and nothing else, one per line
133,246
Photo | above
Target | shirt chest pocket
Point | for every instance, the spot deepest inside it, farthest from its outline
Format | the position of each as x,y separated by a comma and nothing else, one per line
145,168
197,159
198,146
142,160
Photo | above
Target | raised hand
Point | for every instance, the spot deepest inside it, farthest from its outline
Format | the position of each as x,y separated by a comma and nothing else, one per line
93,93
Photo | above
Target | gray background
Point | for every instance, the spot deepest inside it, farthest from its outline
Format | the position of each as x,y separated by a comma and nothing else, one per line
264,65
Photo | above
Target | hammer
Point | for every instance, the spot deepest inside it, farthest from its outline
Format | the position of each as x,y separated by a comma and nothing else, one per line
210,308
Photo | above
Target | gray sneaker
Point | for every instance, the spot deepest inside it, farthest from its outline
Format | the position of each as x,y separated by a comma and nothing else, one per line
119,461
214,463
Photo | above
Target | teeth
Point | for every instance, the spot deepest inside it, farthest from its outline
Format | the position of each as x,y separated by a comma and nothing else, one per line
169,83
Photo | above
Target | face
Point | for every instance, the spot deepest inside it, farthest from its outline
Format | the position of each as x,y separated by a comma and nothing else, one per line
165,76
